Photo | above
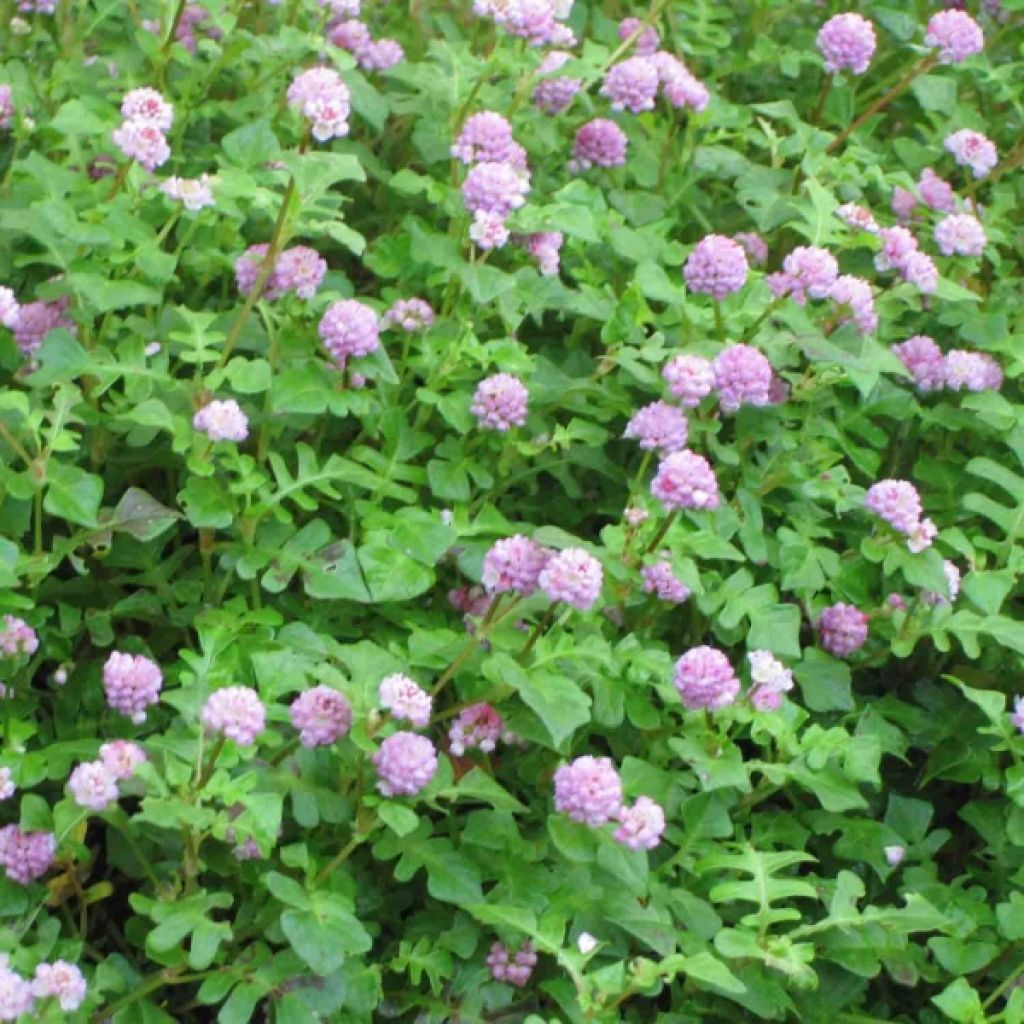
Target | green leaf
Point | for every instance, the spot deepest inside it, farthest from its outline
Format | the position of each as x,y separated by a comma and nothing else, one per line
400,819
824,681
324,935
251,145
960,1002
103,295
138,513
206,503
776,629
72,494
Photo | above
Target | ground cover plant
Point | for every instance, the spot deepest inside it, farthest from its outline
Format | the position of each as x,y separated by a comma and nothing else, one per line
511,511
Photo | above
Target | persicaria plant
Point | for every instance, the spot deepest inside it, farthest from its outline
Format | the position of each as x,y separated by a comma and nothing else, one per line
511,511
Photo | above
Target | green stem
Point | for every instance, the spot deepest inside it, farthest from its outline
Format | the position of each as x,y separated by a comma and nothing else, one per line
120,821
343,854
539,629
287,749
475,640
826,88
923,65
719,322
151,984
1007,983
660,535
211,763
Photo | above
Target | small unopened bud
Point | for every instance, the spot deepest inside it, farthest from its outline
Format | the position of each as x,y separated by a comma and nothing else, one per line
153,348
894,855
586,943
60,677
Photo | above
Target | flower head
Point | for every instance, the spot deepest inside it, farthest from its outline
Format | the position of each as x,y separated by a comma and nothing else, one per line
222,421
897,502
754,246
598,143
936,192
121,758
410,315
589,790
380,55
894,855
349,329
847,42
974,150
685,480
148,106
717,266
573,576
855,293
321,715
17,637
743,376
500,402
705,679
955,34
858,217
658,427
143,142
489,230
322,98
486,137
405,763
132,683
514,565
690,378
492,187
661,579
553,95
16,995
544,247
7,786
640,826
235,712
769,680
810,271
478,726
93,785
960,234
26,856
971,371
843,628
923,360
631,85
61,981
405,699
192,193
646,42
514,968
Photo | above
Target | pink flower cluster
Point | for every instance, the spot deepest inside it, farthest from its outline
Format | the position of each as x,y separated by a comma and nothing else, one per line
552,95
6,108
500,402
685,480
847,42
409,315
349,329
717,266
545,247
589,790
689,378
322,98
658,427
298,269
132,683
16,995
371,54
900,252
537,21
769,680
121,758
955,34
705,679
192,193
640,826
486,137
631,84
93,786
147,119
843,629
743,376
222,421
598,143
7,786
235,712
974,150
61,981
660,579
321,714
960,234
405,699
512,968
405,763
855,294
477,727
31,323
857,217
514,565
26,856
573,576
647,39
959,370
17,638
898,503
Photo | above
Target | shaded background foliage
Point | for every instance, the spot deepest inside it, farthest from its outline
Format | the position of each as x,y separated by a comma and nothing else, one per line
324,548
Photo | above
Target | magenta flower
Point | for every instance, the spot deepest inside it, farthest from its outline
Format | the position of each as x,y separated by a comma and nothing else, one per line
960,234
222,421
495,188
847,42
810,271
717,266
380,55
17,638
589,790
685,480
143,142
132,683
690,378
705,679
405,699
93,786
660,579
641,826
321,715
679,86
843,628
489,230
897,502
972,371
405,764
646,42
16,995
514,565
486,137
349,329
936,192
974,150
631,85
754,246
26,856
855,293
658,427
924,361
410,315
235,712
599,143
742,377
500,402
553,95
955,34
121,758
322,98
512,968
477,727
573,576
544,247
61,981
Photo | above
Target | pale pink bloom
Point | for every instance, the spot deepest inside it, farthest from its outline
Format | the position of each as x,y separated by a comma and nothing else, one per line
488,230
660,579
894,855
857,217
17,637
148,105
322,98
132,683
405,764
974,150
143,142
631,85
955,34
321,714
479,726
93,786
405,699
705,679
658,427
222,421
61,981
7,786
512,968
685,480
573,576
690,378
717,266
122,757
960,234
641,826
589,790
236,712
598,143
500,402
847,42
192,193
936,192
